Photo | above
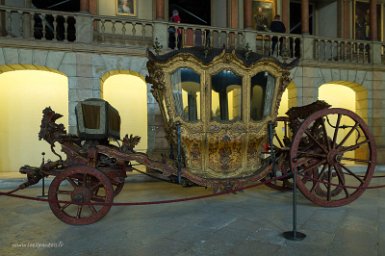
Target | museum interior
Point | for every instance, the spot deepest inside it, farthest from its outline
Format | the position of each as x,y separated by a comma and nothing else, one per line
59,52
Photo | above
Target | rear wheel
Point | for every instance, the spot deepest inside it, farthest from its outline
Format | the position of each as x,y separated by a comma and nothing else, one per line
340,156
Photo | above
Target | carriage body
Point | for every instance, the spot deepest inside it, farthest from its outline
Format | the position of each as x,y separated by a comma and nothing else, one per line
223,102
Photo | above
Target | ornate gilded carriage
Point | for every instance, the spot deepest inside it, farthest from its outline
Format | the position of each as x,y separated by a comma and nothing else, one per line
219,109
223,101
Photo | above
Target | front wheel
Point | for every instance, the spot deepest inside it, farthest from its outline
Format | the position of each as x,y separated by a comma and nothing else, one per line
77,185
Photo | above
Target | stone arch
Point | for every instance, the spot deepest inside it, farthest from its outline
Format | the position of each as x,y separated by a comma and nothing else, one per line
22,99
15,67
362,104
133,107
108,74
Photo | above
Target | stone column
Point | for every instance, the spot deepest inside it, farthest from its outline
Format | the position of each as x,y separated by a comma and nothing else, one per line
305,16
92,7
373,20
285,14
346,19
84,6
248,14
159,10
234,14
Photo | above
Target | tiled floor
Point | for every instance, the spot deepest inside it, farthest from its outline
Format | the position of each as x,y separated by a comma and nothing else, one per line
247,223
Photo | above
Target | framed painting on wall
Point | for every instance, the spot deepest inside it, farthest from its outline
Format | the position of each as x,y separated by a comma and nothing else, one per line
361,22
263,13
126,7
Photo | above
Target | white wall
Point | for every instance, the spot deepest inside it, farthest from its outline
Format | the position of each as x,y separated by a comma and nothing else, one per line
327,20
23,96
219,13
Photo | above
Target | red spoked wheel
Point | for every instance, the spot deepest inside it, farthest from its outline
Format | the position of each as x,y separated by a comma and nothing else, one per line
340,156
281,142
76,185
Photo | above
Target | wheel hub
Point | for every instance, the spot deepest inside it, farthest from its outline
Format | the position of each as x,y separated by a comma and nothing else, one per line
81,195
334,156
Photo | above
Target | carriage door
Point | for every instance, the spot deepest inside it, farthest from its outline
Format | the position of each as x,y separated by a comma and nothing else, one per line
225,130
187,96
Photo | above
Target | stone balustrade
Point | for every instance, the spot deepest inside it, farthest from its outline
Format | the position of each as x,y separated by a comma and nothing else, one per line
75,29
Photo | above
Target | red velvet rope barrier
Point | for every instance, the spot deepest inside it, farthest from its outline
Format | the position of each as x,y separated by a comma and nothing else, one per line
11,194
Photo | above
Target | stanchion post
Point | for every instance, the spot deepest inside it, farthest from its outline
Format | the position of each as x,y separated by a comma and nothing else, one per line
42,180
179,151
294,234
271,134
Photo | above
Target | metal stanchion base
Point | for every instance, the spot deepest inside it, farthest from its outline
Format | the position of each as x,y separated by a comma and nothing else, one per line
294,235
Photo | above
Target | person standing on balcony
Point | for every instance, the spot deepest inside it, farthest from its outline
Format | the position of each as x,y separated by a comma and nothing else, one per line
175,34
277,26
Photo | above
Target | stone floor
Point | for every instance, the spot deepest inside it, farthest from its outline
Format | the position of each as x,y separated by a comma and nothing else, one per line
247,223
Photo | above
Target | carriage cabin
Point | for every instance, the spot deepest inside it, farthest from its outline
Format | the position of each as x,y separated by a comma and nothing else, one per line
223,100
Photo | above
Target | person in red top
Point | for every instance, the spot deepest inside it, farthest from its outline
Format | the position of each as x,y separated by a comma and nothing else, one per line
175,39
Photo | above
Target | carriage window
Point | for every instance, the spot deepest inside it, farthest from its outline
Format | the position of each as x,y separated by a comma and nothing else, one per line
186,93
226,96
261,95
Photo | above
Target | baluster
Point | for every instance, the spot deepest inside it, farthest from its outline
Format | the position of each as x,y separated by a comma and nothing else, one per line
211,41
124,30
9,22
113,28
65,32
103,29
43,22
54,27
133,29
21,23
143,30
184,36
194,31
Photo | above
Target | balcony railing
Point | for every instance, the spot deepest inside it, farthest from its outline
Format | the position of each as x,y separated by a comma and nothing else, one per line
74,29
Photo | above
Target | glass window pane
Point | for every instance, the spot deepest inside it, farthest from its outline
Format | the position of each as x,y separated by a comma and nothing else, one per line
226,96
261,95
186,93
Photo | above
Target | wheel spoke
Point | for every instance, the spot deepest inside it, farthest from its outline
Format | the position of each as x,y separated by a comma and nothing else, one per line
341,179
72,182
64,192
336,131
97,198
356,160
315,140
84,179
348,134
325,134
353,147
62,208
314,166
79,211
317,181
92,208
351,173
311,154
94,187
329,185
